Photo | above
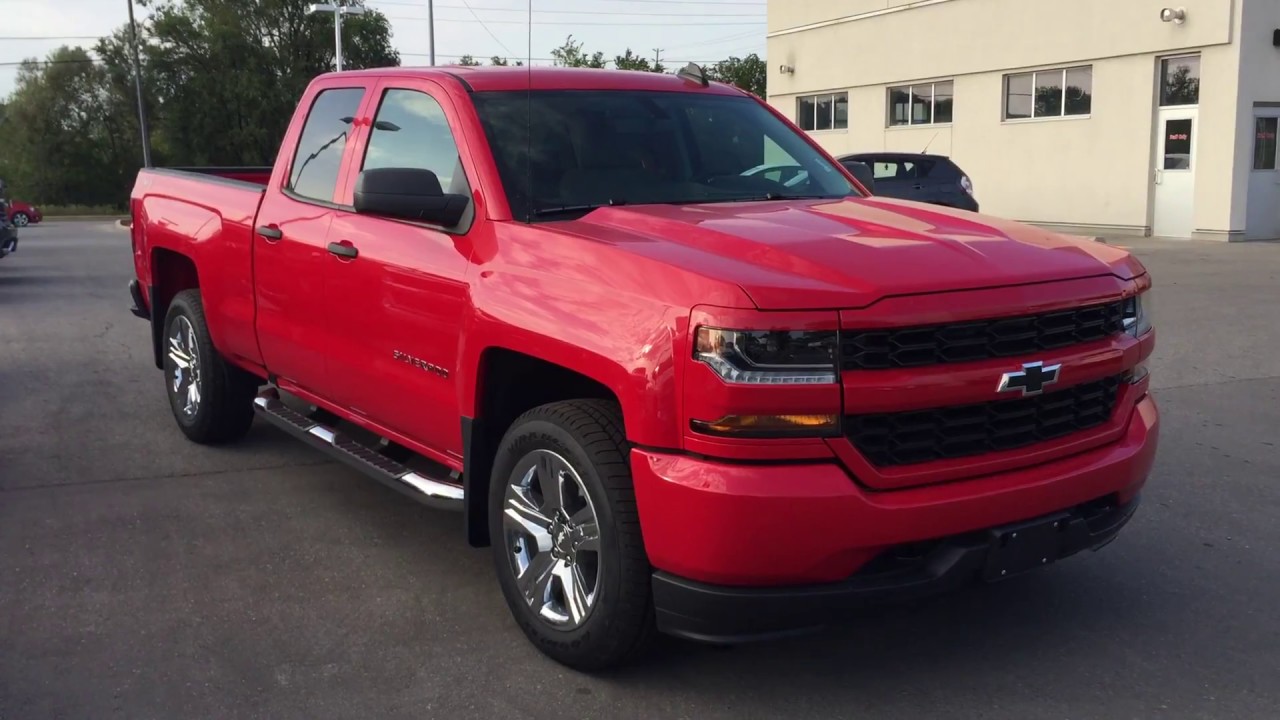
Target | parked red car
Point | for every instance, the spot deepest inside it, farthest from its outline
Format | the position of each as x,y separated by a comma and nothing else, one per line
23,214
668,393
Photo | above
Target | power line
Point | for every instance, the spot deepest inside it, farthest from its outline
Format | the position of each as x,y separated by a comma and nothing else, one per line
575,12
51,37
486,29
579,22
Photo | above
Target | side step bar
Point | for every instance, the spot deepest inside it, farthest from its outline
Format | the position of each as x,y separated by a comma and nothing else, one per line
429,491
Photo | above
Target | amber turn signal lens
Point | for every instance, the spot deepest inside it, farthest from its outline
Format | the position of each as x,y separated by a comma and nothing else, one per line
764,426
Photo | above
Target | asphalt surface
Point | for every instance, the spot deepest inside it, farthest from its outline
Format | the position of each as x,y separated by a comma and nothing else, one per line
142,576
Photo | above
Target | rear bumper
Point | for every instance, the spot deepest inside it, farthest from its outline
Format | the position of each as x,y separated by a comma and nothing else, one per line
8,242
699,611
730,540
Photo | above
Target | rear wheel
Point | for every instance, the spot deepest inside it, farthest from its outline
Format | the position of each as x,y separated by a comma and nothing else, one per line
21,219
211,399
566,535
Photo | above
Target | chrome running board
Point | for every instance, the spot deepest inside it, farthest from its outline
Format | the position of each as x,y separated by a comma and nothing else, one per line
445,494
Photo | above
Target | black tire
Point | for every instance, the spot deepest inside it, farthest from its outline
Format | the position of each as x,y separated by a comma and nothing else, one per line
589,435
224,410
20,219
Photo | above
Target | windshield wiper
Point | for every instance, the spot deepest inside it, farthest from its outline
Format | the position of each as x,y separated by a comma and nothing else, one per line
573,209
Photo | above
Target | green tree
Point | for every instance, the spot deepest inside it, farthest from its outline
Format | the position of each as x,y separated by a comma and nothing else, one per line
64,141
570,54
468,61
503,62
631,61
748,73
227,74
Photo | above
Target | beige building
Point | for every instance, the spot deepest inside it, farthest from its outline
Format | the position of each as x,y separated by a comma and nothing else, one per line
1094,116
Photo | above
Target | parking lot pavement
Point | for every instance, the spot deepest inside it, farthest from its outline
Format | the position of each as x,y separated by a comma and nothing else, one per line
142,576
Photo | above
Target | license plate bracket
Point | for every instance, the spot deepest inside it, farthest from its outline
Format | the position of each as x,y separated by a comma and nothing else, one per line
1016,549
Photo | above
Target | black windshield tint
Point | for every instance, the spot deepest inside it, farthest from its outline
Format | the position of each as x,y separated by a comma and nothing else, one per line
593,148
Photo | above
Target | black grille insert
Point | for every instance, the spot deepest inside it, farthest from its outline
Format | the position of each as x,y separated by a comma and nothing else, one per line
918,436
979,339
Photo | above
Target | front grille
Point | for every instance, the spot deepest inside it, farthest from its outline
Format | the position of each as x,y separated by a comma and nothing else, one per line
918,436
977,340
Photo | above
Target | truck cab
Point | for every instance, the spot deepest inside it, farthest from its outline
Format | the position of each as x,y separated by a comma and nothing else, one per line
669,392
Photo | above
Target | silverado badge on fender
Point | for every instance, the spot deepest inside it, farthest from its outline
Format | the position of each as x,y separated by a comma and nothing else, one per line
1031,379
419,363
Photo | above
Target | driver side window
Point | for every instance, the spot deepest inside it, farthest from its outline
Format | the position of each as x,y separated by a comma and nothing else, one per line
411,131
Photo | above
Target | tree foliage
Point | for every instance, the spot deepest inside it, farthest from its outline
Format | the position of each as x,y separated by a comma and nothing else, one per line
631,61
749,73
571,54
221,80
468,61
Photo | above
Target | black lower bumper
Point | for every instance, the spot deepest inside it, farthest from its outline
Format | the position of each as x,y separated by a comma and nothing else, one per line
712,613
8,243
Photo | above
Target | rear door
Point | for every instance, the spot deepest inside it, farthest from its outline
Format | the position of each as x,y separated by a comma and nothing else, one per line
290,234
396,309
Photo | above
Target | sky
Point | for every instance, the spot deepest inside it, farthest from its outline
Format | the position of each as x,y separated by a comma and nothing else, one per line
702,31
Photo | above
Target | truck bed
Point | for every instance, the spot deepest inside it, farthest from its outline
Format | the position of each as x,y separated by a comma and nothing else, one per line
185,219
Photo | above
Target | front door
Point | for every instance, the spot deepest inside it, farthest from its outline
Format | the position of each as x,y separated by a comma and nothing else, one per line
1175,173
1264,178
395,309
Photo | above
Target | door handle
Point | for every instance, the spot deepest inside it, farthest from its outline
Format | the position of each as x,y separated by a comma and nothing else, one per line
917,186
270,233
343,249
1159,177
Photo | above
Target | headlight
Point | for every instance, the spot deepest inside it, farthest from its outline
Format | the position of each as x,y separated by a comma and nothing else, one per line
1137,314
768,357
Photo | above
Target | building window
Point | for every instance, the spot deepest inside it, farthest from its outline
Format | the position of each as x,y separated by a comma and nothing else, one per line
823,112
1048,93
1180,81
926,104
1264,143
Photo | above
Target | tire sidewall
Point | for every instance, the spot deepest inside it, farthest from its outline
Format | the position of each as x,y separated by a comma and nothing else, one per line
21,219
520,441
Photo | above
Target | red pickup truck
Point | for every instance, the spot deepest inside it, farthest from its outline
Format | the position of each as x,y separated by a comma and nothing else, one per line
669,393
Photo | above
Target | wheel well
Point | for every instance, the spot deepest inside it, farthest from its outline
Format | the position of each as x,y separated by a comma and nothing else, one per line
171,273
510,384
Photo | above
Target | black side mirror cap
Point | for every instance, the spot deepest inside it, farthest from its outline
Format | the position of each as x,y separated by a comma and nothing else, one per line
862,173
408,194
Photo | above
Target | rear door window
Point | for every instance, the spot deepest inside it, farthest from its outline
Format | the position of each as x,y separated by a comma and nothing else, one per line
318,157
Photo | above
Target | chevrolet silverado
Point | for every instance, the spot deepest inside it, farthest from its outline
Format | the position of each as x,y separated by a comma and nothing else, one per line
670,393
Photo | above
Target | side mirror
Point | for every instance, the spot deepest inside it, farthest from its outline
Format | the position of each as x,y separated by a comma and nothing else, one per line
862,172
408,194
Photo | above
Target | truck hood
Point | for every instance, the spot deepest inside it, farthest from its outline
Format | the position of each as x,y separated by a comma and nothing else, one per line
848,253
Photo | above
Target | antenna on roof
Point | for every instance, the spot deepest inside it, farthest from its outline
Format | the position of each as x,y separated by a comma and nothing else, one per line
693,72
926,147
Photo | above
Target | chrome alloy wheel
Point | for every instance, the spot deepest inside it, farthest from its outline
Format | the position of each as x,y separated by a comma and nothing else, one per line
21,219
553,539
184,356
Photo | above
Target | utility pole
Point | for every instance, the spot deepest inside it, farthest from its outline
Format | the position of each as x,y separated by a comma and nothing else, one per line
657,57
431,30
338,11
137,83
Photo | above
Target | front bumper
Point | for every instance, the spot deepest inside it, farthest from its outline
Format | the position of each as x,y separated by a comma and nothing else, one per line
699,611
750,549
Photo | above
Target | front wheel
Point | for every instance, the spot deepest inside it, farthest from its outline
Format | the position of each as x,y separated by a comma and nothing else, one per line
566,535
211,399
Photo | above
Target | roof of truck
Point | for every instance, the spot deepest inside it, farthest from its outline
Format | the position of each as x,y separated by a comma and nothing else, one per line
482,79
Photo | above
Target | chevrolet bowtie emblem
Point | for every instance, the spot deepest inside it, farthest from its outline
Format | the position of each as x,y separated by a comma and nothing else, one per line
1031,379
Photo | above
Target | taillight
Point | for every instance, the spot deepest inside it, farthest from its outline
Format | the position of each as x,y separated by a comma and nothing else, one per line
966,184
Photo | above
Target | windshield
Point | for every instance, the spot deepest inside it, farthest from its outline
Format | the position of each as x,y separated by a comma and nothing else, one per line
594,148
